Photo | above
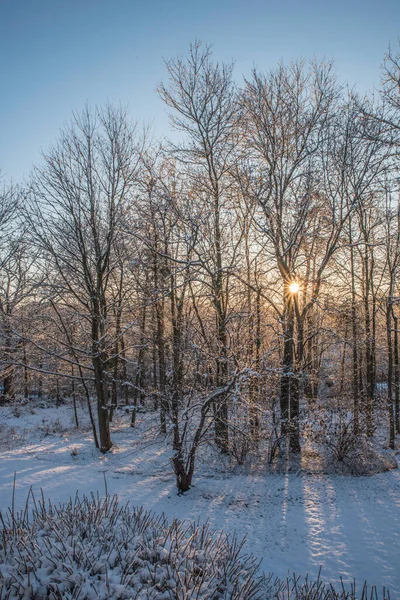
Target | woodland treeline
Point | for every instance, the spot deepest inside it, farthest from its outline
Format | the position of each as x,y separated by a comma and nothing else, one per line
161,275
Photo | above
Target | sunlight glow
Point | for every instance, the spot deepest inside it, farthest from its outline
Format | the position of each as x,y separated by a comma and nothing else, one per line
294,287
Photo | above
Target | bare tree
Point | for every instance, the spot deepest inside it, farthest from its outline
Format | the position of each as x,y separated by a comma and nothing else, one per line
202,97
9,201
390,94
286,113
17,285
13,273
79,201
392,267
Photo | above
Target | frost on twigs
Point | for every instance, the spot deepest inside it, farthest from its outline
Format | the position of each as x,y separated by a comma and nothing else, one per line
298,588
342,447
93,548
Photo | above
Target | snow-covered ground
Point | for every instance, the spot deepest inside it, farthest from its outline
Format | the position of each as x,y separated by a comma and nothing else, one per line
349,526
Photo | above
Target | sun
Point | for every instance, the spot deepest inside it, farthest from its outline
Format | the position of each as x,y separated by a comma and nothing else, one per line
294,287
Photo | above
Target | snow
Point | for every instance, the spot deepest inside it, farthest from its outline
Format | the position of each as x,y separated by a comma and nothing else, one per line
349,526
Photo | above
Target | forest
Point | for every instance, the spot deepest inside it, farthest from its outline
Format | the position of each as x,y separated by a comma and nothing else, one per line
240,280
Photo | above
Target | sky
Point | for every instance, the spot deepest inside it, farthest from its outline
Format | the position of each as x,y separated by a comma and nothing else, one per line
58,55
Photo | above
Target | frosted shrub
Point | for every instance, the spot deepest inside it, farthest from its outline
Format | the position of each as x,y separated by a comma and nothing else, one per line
96,549
335,431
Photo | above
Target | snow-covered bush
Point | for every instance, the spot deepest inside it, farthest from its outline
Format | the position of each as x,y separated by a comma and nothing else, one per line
51,428
96,549
336,431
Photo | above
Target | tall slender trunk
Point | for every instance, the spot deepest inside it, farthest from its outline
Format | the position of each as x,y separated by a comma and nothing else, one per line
114,382
124,371
184,477
40,382
117,345
159,289
221,405
255,385
289,390
8,380
343,359
370,387
396,368
26,377
137,392
355,369
73,393
99,360
373,342
177,366
310,341
162,367
154,359
102,408
311,362
58,397
390,371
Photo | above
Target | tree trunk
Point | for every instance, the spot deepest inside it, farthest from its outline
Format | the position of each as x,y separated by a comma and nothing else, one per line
137,392
356,384
221,405
390,372
396,368
26,380
370,387
162,369
8,380
74,398
343,359
124,372
101,385
289,392
255,382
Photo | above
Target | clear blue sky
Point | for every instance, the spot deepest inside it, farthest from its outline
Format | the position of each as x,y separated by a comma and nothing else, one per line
56,55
